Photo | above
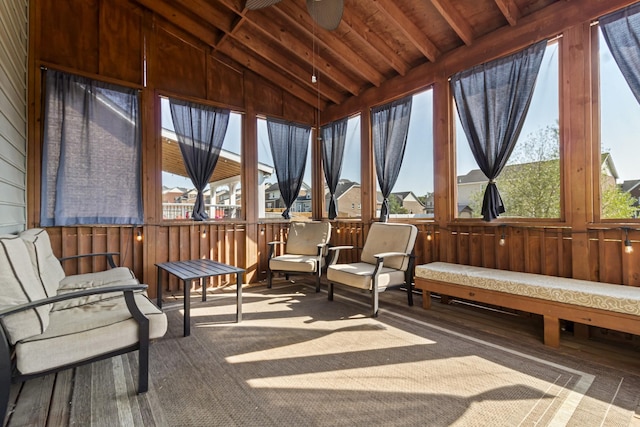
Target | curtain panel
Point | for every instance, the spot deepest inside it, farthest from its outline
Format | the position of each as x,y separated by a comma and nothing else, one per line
91,153
200,130
492,101
390,127
289,144
334,136
621,31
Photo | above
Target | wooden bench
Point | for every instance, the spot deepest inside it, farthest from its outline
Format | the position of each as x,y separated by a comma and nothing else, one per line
585,302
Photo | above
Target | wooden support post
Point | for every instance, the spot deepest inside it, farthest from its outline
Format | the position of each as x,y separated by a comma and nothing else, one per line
551,331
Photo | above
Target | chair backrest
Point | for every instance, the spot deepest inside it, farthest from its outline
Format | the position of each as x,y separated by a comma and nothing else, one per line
304,237
388,237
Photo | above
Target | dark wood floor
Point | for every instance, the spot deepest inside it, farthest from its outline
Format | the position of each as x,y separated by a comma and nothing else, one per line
53,401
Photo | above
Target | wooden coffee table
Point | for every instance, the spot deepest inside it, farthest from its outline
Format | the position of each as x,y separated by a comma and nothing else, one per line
199,269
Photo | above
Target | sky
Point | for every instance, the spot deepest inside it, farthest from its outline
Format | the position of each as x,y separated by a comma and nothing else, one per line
620,127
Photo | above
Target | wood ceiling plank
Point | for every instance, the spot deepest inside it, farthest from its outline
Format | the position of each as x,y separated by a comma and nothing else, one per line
327,40
410,30
510,10
455,20
377,43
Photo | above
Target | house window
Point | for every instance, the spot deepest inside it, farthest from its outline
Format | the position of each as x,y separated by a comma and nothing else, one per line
223,194
413,189
270,202
349,189
619,130
530,182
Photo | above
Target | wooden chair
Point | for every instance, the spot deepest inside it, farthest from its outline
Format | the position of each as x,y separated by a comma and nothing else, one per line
386,261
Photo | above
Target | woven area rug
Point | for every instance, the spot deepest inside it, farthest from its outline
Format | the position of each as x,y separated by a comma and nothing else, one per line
297,359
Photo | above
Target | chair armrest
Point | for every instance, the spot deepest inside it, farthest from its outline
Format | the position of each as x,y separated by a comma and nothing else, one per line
338,248
109,256
72,295
277,242
390,254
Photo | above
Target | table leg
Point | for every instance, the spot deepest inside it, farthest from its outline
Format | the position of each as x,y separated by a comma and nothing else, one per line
159,288
238,298
187,308
203,281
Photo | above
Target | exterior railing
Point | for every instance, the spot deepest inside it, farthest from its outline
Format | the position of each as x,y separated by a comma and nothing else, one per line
184,210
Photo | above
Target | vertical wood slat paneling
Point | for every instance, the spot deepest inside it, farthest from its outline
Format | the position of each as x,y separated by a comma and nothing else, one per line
13,115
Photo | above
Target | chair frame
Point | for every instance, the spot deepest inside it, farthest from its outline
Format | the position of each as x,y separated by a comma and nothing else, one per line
408,276
8,370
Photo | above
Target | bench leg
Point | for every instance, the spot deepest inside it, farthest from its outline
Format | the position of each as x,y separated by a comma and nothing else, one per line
551,331
426,299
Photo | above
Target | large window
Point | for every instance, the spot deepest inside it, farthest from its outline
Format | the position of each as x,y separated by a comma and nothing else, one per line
270,201
412,195
530,182
620,150
223,194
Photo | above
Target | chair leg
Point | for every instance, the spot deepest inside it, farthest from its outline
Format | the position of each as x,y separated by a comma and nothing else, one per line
410,292
374,299
330,292
269,277
318,273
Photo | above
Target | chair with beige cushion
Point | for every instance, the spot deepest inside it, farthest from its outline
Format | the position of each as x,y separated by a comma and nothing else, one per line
305,251
386,261
50,322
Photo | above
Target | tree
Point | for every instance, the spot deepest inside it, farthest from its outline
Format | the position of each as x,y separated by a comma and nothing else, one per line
530,183
395,205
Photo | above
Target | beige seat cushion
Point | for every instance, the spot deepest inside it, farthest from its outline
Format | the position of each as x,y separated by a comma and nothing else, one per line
20,284
303,237
86,331
292,262
388,237
44,261
359,275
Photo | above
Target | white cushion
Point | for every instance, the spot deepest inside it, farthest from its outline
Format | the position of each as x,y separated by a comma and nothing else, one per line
303,237
359,275
86,331
19,284
388,237
291,262
44,261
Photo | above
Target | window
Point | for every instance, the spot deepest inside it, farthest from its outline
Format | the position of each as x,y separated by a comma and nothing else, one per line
223,194
530,182
91,153
349,191
412,195
619,130
270,201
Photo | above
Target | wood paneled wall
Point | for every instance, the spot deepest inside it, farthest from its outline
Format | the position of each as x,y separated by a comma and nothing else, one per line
122,42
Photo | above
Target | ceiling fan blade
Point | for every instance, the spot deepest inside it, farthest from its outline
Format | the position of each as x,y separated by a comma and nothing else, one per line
326,13
259,4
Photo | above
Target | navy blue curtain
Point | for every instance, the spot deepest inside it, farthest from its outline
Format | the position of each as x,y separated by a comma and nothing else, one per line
289,144
200,130
390,127
334,136
493,100
621,31
91,152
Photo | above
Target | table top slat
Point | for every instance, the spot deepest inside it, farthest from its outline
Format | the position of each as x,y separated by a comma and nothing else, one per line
198,268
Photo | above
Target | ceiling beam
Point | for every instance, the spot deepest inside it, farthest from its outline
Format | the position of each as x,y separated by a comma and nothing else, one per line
356,26
510,10
328,41
272,31
410,30
455,20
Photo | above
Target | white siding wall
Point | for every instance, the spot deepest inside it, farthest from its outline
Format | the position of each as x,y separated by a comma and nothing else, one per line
13,114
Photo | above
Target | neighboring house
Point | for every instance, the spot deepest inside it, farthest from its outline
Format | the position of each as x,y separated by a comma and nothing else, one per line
349,199
169,195
633,187
407,199
273,198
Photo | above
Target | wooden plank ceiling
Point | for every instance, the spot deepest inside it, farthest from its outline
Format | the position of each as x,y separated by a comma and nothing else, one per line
375,41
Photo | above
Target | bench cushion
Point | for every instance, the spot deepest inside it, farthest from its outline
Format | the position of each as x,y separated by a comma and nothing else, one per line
90,330
19,284
44,261
604,296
